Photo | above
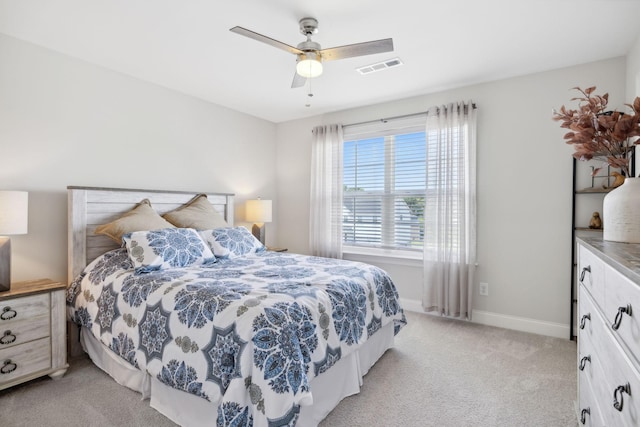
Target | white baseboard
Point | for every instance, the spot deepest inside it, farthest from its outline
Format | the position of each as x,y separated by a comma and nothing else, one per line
524,324
411,305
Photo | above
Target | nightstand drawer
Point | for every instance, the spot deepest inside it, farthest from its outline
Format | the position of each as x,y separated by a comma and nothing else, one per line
17,309
25,330
24,359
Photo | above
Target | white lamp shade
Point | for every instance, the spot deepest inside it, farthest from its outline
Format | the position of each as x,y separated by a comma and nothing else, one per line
14,212
258,210
309,67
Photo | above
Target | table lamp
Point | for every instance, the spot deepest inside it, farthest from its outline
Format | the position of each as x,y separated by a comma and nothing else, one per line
258,211
14,214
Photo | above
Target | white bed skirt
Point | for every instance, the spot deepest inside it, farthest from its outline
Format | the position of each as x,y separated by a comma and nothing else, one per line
328,389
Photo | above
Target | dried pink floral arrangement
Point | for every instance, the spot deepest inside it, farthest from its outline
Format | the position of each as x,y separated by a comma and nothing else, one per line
599,134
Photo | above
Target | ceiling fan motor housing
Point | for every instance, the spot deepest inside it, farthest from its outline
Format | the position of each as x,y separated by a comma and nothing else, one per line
311,55
309,46
308,26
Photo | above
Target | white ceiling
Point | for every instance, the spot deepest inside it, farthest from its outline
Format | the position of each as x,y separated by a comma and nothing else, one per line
186,45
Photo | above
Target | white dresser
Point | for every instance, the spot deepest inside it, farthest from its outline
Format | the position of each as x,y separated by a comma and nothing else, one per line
608,333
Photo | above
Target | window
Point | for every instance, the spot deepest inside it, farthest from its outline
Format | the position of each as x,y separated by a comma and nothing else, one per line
384,182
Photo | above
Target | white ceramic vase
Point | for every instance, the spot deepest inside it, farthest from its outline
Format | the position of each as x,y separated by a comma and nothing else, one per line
621,213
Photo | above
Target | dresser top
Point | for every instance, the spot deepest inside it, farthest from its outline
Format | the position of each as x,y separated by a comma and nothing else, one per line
624,257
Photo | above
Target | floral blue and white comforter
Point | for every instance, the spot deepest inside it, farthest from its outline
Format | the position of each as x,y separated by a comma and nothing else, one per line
248,333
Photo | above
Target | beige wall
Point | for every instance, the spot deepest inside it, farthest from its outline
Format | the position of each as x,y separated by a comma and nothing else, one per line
633,71
524,190
633,80
66,122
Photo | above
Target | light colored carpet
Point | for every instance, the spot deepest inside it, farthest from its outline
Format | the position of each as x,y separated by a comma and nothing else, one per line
445,372
440,373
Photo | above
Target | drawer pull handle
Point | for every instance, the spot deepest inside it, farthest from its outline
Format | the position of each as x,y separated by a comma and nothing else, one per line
583,362
8,367
618,319
7,338
620,389
583,321
8,313
584,270
583,415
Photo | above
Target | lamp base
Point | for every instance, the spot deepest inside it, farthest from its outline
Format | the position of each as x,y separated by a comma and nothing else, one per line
258,232
5,264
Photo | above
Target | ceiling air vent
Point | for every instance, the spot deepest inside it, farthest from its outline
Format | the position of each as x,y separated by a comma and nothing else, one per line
379,66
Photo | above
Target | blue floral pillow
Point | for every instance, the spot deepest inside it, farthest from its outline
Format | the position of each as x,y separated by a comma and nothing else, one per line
231,242
166,248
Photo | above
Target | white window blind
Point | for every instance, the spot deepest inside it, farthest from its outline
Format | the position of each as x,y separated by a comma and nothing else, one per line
384,183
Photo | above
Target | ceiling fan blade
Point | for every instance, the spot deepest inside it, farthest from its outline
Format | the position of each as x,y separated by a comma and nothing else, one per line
265,39
298,81
358,49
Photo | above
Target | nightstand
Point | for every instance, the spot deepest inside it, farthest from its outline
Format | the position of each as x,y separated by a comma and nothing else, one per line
32,332
274,249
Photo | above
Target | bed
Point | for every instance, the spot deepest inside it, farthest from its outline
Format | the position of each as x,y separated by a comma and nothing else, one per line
244,337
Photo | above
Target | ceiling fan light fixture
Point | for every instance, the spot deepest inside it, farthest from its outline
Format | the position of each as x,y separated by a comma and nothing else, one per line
309,65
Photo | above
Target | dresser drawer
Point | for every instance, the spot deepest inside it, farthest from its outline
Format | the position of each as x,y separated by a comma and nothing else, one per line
24,330
18,309
26,358
590,398
587,357
589,413
590,328
594,372
592,344
618,372
622,296
591,273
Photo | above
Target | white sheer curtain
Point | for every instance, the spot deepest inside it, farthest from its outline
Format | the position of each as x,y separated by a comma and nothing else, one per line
450,210
325,222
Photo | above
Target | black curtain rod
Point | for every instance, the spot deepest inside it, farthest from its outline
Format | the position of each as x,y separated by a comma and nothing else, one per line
386,119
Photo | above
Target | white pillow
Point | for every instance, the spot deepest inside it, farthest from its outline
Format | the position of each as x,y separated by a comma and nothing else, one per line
231,242
167,248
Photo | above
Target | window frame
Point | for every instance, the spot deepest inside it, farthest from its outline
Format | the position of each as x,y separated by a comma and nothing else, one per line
388,196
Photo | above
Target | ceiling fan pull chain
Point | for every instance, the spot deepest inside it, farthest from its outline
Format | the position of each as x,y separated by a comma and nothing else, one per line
309,95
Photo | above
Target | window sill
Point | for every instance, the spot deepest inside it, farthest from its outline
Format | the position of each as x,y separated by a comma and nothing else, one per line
413,259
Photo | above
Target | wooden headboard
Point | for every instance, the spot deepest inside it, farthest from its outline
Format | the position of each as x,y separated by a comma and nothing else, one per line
90,206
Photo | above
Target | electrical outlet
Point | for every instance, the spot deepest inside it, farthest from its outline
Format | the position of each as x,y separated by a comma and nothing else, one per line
484,289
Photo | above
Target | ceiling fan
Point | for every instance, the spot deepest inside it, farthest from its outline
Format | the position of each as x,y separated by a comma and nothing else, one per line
309,53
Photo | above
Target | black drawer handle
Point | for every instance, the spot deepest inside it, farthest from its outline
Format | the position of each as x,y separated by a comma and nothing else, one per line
583,362
583,321
8,313
618,319
8,367
584,270
7,338
583,415
620,389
